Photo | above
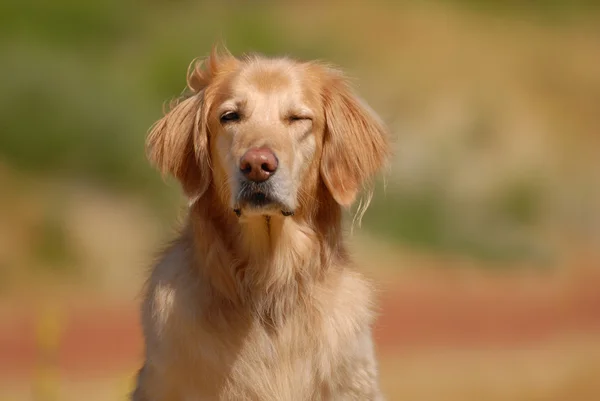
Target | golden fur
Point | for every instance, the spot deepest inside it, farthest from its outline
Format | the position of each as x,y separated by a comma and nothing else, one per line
262,306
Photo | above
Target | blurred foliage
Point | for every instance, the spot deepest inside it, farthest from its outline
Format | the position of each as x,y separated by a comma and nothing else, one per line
422,219
81,82
51,247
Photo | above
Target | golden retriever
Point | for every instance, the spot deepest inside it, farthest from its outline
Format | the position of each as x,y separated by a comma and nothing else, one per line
257,298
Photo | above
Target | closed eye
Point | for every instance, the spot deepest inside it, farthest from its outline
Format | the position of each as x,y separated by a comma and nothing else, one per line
295,118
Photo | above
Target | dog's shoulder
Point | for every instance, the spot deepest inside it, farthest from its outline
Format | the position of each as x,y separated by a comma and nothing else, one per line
346,311
351,297
169,285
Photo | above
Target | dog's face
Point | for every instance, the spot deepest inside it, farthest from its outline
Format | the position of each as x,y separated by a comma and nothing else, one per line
265,124
266,133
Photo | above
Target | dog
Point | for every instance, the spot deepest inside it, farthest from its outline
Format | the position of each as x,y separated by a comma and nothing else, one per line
257,297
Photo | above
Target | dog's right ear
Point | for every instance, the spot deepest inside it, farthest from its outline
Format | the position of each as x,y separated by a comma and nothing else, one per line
178,144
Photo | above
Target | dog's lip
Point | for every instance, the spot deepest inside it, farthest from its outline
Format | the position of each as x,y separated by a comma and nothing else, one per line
260,201
258,198
284,212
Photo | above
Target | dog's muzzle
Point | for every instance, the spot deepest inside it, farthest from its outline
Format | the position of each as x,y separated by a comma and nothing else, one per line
259,197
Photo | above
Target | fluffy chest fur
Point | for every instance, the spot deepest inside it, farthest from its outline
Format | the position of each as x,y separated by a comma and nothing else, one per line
205,346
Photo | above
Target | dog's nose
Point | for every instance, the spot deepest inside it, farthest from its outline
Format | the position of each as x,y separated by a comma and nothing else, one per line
258,164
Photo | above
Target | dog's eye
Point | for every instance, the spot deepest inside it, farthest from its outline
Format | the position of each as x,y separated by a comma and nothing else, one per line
296,118
230,116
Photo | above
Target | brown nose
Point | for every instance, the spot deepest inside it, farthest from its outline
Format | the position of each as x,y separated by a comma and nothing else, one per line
258,164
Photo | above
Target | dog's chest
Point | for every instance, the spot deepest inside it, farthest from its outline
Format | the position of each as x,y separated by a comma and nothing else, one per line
283,363
239,357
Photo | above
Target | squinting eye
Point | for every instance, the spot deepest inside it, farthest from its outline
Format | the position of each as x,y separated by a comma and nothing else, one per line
293,119
230,116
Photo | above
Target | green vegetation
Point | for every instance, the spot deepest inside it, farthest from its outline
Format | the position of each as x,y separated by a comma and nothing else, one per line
423,219
81,83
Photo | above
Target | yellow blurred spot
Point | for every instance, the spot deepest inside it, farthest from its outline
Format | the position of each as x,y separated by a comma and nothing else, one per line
125,387
48,333
46,385
49,329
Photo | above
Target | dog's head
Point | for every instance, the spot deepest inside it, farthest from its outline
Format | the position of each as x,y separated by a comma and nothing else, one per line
266,133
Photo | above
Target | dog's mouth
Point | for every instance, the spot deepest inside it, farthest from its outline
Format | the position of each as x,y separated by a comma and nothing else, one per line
259,198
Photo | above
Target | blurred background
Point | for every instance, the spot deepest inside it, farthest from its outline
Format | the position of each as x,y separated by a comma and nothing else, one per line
485,243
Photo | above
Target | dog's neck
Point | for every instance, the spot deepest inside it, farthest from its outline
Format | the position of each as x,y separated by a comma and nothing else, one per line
266,259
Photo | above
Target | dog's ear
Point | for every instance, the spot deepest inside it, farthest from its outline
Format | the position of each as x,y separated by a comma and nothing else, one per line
178,144
355,145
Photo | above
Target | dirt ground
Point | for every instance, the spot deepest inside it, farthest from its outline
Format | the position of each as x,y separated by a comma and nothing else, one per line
505,336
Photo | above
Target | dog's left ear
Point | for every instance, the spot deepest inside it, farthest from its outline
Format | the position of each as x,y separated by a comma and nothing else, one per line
356,141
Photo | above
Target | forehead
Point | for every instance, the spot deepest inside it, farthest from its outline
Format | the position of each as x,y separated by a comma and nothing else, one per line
273,77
